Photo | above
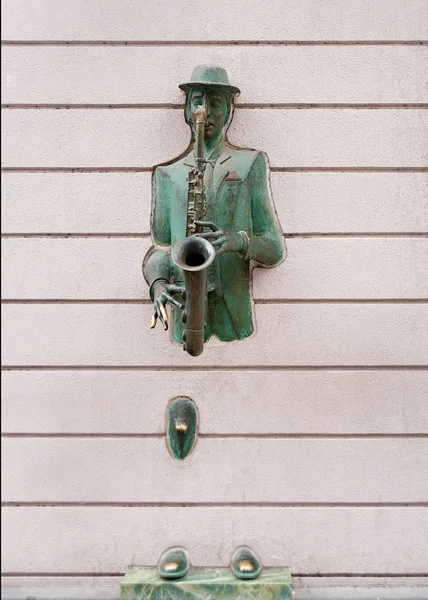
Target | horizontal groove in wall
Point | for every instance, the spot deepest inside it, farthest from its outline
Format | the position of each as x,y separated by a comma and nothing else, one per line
356,234
76,301
215,368
384,575
273,169
341,301
78,169
350,169
256,301
65,574
248,105
40,503
88,435
259,436
114,574
40,106
75,235
214,42
315,234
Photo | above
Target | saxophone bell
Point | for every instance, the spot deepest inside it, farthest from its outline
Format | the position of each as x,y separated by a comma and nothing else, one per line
194,255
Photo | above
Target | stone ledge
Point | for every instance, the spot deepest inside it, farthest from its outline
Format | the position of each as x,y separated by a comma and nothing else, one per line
206,584
112,593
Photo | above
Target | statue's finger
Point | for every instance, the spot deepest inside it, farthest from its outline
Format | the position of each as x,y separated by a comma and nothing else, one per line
163,313
220,246
161,319
208,224
170,299
175,289
209,235
160,311
219,242
154,321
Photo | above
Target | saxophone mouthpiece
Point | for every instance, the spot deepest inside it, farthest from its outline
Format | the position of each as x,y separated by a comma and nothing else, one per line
200,115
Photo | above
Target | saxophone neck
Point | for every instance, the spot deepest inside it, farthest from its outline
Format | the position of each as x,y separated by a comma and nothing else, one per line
200,115
199,118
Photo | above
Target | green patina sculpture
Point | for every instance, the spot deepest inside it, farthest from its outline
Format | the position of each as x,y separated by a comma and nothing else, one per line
245,564
174,563
182,422
219,193
202,584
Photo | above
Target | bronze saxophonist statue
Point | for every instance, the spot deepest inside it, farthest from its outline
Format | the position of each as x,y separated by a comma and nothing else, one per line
218,194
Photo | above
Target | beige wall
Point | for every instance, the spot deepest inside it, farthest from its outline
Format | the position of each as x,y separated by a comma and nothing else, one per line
313,445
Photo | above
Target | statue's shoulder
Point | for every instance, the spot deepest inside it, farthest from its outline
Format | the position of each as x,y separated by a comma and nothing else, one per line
173,168
243,159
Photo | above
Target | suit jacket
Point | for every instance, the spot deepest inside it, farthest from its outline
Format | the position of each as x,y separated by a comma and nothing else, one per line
242,203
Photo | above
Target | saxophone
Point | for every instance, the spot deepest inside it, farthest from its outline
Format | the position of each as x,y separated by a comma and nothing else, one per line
196,208
194,254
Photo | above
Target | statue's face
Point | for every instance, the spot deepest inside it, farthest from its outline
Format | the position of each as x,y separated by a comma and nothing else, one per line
217,108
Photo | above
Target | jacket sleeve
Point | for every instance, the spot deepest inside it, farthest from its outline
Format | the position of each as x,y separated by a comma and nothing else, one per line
157,263
161,210
266,242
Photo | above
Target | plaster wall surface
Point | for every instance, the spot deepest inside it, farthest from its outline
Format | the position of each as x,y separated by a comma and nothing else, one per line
313,440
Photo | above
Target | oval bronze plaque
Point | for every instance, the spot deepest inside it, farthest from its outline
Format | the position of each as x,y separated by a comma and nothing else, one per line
182,425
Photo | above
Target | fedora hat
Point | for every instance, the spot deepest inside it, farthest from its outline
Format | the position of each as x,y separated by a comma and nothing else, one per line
204,76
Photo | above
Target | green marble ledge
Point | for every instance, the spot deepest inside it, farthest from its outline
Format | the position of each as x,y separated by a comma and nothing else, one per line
207,584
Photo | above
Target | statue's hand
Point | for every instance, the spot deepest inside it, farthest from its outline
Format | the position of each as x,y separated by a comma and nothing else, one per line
221,239
161,295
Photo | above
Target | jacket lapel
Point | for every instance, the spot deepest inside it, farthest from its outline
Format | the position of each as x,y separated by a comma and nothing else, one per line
221,170
189,160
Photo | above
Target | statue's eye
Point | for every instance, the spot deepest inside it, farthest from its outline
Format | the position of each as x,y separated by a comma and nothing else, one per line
216,102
